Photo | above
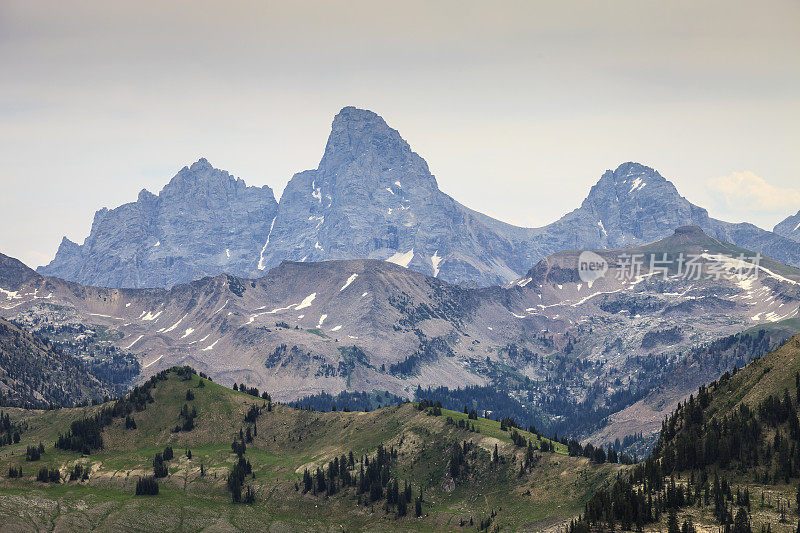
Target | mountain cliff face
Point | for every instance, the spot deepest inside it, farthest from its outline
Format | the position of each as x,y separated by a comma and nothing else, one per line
790,227
370,197
373,197
203,222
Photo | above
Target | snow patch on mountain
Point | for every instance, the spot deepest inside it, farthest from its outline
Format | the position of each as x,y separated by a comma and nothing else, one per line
175,325
154,361
316,191
638,184
221,308
743,268
261,265
134,342
306,301
150,317
210,346
435,261
402,259
350,280
201,340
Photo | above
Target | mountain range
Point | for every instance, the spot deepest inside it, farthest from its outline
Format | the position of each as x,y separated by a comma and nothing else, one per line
371,197
572,351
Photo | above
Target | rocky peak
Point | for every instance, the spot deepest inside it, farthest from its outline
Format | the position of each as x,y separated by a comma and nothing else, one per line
202,179
630,181
146,196
203,222
370,197
373,197
635,204
363,148
68,247
201,164
356,133
790,227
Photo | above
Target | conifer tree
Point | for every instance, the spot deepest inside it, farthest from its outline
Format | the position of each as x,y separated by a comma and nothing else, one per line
672,522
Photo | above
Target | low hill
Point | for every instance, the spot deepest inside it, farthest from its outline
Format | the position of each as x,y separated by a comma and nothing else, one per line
469,470
727,457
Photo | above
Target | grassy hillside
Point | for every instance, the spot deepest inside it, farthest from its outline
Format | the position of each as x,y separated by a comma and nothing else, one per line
766,376
194,495
729,457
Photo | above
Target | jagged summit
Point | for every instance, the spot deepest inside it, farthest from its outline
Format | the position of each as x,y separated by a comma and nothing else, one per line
635,204
203,222
372,197
200,175
201,164
628,179
629,170
362,147
353,119
354,128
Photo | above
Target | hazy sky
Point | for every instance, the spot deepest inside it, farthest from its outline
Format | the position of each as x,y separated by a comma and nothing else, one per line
517,107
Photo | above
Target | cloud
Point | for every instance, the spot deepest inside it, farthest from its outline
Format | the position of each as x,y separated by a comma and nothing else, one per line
745,191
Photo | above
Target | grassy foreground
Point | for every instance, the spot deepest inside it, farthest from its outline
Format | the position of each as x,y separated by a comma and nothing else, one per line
194,496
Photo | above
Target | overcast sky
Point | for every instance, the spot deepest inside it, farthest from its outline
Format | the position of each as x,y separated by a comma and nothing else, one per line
517,107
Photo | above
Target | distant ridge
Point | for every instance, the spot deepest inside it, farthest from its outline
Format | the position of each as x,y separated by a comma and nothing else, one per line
790,227
301,328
